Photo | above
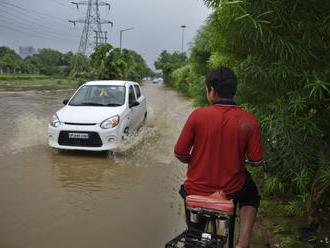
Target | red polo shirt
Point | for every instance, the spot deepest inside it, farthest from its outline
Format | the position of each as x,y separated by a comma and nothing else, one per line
217,140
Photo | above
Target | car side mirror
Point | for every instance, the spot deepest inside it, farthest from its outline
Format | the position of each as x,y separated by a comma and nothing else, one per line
134,104
65,102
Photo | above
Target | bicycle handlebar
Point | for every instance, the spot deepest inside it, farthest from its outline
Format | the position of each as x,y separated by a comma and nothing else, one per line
255,163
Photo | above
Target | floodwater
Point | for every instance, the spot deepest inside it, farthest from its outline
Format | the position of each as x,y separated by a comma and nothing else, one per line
82,199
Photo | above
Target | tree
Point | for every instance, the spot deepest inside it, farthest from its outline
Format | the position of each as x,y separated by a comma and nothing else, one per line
79,66
168,63
107,63
9,60
67,59
201,51
137,68
190,79
48,61
280,51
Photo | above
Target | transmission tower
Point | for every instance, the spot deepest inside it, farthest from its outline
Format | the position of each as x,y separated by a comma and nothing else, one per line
92,34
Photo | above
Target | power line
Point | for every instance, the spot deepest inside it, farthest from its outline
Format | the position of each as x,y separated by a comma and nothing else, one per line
22,31
34,13
34,32
31,25
11,14
17,10
61,4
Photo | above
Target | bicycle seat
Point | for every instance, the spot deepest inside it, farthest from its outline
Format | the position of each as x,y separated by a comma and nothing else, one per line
214,202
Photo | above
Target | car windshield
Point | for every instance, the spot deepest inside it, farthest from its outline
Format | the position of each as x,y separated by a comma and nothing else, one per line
99,95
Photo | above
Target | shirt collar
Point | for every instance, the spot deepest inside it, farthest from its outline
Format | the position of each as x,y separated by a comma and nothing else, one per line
225,103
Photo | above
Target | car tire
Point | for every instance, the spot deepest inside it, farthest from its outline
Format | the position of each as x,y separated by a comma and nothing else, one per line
125,133
143,123
144,119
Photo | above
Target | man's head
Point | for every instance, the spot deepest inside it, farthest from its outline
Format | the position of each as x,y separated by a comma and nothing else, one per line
221,83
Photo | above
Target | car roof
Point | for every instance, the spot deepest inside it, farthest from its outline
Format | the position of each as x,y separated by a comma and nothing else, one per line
109,82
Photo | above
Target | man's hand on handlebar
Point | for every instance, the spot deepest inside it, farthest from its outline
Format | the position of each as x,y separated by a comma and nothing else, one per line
255,163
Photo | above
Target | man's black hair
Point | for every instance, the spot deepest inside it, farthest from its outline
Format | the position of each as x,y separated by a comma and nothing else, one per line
224,81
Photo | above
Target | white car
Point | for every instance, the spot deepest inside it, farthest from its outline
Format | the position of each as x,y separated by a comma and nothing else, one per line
98,116
157,80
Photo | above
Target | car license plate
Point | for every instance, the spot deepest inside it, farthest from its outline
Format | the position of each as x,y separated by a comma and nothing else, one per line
78,135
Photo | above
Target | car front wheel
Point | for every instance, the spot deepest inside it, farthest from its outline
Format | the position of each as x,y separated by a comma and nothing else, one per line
125,133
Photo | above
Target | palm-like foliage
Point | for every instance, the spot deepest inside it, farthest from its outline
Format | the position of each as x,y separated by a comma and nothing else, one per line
168,63
108,62
280,50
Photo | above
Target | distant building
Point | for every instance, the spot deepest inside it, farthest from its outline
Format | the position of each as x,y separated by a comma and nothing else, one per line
27,51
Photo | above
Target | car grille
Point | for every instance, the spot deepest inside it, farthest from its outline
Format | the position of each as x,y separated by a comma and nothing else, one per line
79,124
93,140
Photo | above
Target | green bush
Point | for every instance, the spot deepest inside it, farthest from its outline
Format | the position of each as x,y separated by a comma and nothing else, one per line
280,52
109,63
168,63
181,78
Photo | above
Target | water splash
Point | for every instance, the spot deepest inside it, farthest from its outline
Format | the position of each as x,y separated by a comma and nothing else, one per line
144,134
29,130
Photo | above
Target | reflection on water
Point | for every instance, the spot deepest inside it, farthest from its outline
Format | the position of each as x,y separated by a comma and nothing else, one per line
81,170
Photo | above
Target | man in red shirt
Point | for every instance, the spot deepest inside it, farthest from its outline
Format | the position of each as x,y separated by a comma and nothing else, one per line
215,142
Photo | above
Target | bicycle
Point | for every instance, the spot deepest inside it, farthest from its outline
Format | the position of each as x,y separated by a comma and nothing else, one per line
220,216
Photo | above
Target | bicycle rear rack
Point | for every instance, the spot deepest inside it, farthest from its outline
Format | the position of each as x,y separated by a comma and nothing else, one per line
196,239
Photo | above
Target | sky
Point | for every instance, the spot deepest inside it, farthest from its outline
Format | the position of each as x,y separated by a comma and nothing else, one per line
157,24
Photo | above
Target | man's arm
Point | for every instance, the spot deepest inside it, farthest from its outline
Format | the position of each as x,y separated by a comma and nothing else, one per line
183,158
255,163
254,153
185,142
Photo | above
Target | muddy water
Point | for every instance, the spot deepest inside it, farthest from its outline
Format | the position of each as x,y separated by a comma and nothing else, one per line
78,199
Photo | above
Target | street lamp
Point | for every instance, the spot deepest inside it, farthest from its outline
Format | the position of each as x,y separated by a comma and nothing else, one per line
182,41
121,35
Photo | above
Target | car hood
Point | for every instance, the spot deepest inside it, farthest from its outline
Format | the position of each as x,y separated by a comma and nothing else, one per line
87,114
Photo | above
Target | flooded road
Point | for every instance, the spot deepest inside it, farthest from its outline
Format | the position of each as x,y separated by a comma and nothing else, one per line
79,199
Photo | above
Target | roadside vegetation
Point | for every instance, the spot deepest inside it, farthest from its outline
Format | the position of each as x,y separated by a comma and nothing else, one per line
108,62
280,51
14,81
50,67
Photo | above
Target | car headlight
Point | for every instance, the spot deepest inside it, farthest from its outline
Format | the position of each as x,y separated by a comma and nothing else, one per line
55,121
110,122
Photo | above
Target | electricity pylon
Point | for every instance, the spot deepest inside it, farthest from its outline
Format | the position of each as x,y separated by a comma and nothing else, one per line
92,34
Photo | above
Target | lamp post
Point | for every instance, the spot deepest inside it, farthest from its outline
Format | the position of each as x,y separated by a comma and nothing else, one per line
121,35
182,41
